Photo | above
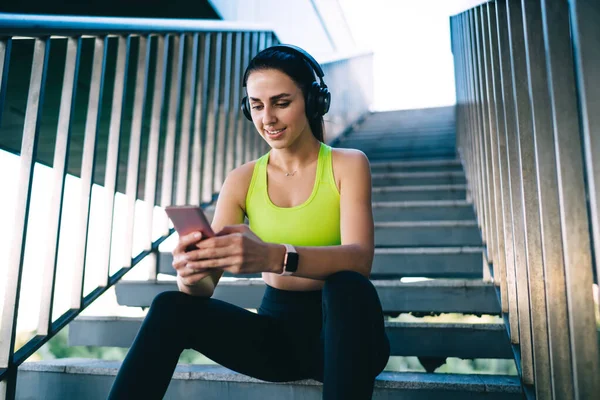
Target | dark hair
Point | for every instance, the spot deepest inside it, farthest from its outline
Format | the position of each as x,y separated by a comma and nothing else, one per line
298,70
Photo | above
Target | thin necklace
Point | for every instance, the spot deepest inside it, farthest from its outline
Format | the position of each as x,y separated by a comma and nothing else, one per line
290,173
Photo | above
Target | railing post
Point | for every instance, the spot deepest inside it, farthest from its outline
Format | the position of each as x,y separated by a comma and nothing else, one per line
12,288
200,119
586,34
498,146
213,119
87,168
158,102
63,133
112,155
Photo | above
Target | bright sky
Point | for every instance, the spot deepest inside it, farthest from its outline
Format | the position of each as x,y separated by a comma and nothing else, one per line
413,64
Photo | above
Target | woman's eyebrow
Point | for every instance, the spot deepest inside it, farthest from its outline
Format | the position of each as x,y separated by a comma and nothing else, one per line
277,97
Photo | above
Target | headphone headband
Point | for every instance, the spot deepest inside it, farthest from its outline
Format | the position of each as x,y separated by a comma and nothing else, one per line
290,48
295,49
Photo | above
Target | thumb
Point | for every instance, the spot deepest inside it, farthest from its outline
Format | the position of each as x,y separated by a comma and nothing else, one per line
232,229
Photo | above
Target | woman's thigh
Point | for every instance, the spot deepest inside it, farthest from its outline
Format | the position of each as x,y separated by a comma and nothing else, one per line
243,341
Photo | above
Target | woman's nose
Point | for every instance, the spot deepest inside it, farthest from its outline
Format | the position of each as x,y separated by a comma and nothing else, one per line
268,116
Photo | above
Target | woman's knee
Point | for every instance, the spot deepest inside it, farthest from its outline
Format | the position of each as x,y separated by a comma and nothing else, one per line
348,283
167,301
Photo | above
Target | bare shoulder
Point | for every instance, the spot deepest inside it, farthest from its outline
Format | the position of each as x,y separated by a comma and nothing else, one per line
348,161
237,182
350,164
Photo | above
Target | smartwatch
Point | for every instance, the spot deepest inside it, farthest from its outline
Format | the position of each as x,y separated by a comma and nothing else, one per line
290,261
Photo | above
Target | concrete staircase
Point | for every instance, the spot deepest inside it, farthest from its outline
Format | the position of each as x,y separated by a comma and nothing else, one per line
424,227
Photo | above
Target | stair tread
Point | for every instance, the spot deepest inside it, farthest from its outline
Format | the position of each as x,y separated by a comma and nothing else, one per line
420,163
430,250
388,324
391,380
415,188
417,174
377,283
422,203
406,224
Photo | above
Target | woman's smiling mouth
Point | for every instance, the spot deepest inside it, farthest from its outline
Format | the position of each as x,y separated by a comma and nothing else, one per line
273,134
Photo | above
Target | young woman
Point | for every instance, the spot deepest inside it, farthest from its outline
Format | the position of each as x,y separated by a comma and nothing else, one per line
311,237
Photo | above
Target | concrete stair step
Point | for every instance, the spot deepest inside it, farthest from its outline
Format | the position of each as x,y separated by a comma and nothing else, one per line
438,296
404,142
431,262
427,233
393,154
419,193
406,338
91,380
443,262
417,178
423,210
417,166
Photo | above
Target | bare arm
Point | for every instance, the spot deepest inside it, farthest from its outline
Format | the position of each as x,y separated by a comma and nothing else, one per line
228,211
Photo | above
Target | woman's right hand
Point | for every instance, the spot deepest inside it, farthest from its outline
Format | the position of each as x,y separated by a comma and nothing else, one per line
187,276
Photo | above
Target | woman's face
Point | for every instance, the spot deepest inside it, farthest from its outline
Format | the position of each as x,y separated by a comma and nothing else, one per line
277,107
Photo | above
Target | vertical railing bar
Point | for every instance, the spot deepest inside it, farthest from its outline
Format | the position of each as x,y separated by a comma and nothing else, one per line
533,117
492,168
483,124
555,27
586,33
519,82
189,101
202,99
5,48
477,125
59,168
497,143
112,154
133,159
242,122
235,111
92,124
468,135
249,131
14,270
509,123
468,31
212,123
574,217
175,81
158,104
224,110
262,44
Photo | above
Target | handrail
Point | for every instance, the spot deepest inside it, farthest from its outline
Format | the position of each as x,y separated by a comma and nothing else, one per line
40,25
520,103
166,92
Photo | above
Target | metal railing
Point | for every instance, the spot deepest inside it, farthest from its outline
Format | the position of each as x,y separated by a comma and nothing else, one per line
528,132
174,109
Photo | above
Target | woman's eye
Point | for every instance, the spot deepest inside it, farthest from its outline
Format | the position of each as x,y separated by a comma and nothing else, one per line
256,107
282,105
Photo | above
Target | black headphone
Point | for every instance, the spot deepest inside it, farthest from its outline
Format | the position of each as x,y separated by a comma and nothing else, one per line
318,98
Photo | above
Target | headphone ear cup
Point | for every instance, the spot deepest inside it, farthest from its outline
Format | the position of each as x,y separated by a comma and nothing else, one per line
324,100
318,101
312,100
245,107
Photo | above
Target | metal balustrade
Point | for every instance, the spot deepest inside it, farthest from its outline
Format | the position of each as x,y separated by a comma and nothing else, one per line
528,133
167,130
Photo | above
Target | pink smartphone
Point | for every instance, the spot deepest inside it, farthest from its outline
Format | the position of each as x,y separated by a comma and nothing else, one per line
188,219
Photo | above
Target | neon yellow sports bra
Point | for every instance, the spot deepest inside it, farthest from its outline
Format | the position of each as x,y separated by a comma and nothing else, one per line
316,222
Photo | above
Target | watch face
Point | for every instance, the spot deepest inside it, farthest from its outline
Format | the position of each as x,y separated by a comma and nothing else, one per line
292,262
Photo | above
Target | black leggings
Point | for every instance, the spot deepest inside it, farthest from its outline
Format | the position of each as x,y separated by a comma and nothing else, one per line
335,335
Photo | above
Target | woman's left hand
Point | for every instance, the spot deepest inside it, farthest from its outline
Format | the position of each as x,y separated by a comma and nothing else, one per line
235,249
